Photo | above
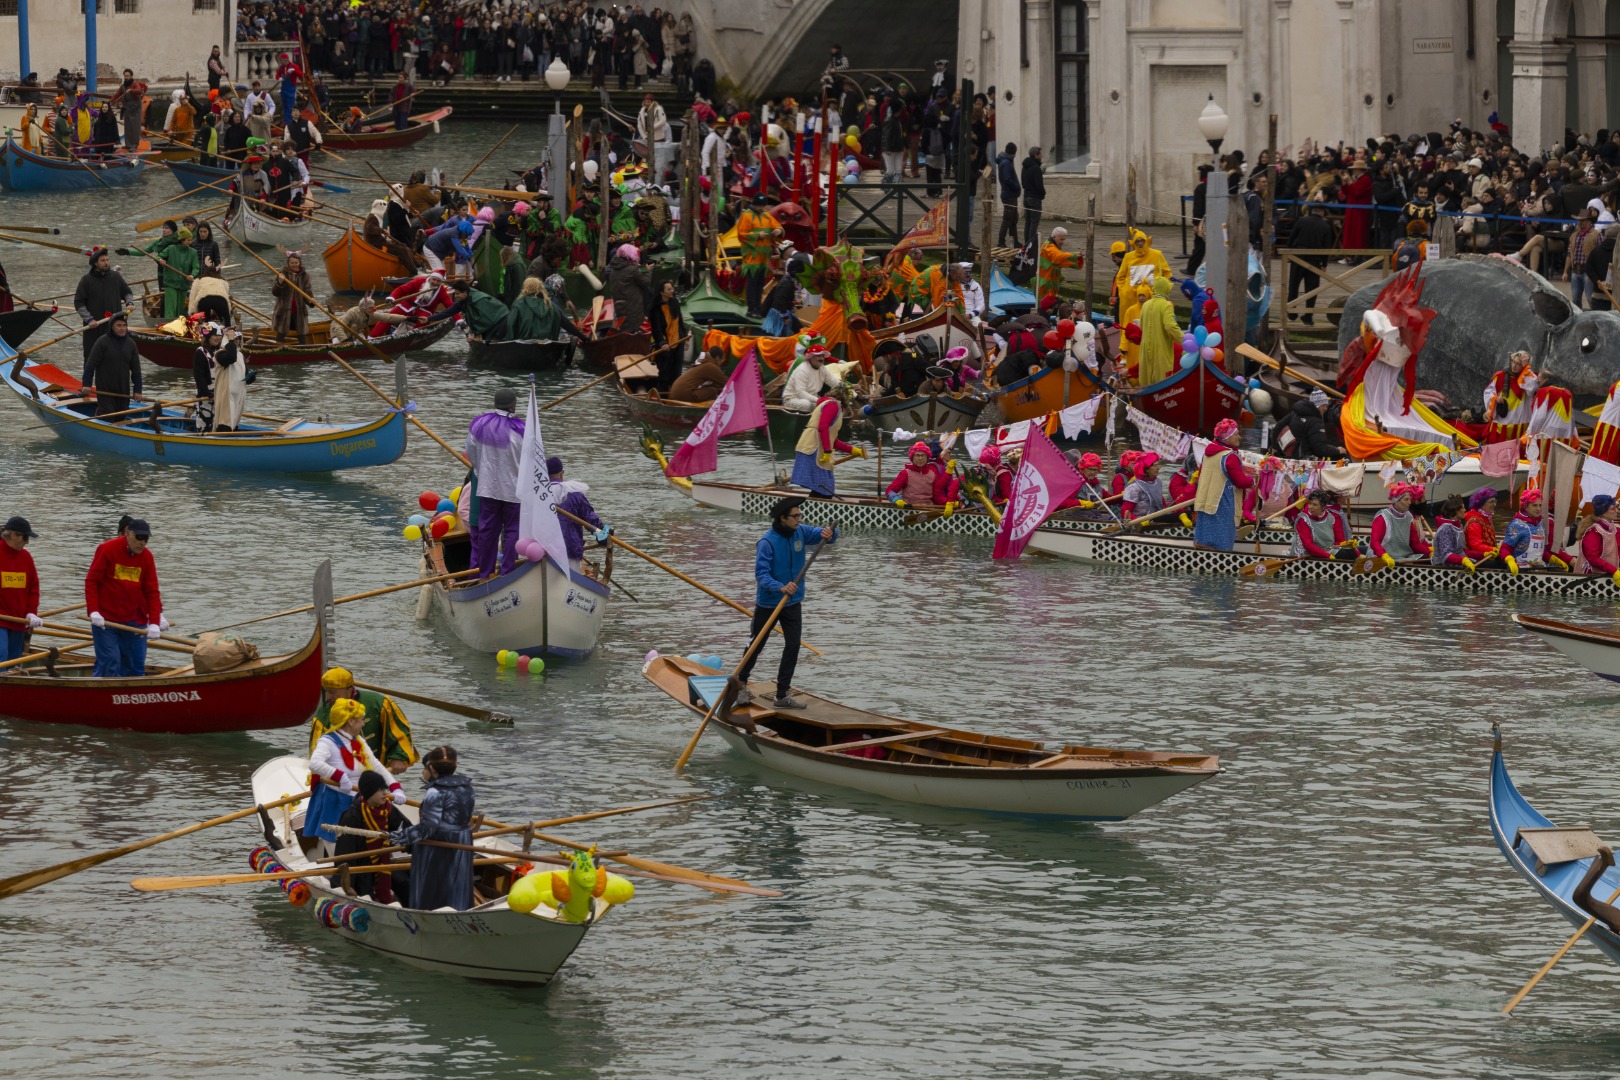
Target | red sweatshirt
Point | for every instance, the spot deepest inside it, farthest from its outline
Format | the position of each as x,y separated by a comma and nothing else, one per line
1479,536
19,585
121,586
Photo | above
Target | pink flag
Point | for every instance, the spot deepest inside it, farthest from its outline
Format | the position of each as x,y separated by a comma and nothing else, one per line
1045,478
739,407
1499,458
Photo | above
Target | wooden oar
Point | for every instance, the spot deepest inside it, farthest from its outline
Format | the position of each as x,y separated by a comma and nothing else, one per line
32,657
1133,523
71,333
43,230
753,647
1252,353
1557,956
1264,567
486,715
33,879
609,375
346,599
726,600
1249,528
203,881
126,412
42,243
148,226
487,156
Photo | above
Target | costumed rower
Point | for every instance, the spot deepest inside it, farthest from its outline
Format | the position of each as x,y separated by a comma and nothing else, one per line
494,446
575,502
385,730
122,587
1526,534
1143,495
779,558
1396,536
922,481
757,231
374,811
1318,532
1479,533
1600,540
102,291
441,877
221,379
1449,549
114,368
1510,399
1216,506
335,764
1052,262
19,588
808,380
812,464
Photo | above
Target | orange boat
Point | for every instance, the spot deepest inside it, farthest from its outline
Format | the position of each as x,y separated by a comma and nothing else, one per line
352,265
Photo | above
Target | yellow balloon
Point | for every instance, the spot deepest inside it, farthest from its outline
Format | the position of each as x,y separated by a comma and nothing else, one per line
525,894
413,532
542,882
455,495
618,889
852,142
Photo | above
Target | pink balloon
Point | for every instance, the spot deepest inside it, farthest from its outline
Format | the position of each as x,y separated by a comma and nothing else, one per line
1207,353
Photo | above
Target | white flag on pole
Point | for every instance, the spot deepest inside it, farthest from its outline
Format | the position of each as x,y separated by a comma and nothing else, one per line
537,495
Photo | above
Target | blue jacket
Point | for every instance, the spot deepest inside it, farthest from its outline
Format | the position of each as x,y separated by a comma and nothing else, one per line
778,560
446,244
1007,173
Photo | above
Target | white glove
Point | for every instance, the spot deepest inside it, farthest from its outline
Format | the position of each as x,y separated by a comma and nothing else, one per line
35,622
97,621
397,793
152,632
163,624
349,784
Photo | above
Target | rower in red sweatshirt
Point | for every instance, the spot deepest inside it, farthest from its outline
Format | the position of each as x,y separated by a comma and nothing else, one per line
19,588
122,587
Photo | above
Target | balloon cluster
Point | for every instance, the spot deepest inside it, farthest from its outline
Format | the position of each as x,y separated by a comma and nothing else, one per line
443,520
529,665
1200,342
1059,335
710,661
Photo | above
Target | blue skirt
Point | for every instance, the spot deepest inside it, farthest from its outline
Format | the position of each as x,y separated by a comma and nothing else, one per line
807,474
1218,530
326,807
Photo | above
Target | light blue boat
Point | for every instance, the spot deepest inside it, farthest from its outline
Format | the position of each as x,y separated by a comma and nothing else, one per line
21,170
1007,297
193,177
168,436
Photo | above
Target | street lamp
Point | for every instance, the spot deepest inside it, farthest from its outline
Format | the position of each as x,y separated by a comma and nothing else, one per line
557,76
1212,123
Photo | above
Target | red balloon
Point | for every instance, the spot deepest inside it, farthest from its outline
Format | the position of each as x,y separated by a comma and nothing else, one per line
1053,340
1065,328
439,527
428,501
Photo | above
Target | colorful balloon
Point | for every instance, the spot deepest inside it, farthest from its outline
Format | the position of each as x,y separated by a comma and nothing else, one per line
713,661
618,889
1207,353
439,528
428,500
413,532
416,519
1188,360
1189,343
1065,328
1199,334
1212,339
536,665
523,664
445,506
852,142
525,894
455,494
1052,340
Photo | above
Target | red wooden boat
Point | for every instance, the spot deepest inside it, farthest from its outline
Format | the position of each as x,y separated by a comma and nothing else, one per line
263,350
271,692
599,352
1193,399
385,136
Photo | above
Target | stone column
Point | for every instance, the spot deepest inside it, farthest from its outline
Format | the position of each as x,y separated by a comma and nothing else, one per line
1347,70
1591,62
1110,79
1282,72
1540,73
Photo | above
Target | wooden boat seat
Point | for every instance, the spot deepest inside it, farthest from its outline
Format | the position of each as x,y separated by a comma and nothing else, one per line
289,425
1559,844
957,759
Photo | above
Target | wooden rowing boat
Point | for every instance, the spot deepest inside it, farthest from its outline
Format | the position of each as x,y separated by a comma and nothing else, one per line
1598,651
488,943
948,327
23,170
263,230
385,136
926,412
263,349
270,692
600,352
535,610
17,325
1046,392
1192,399
193,177
1554,861
933,764
521,355
648,405
170,437
352,265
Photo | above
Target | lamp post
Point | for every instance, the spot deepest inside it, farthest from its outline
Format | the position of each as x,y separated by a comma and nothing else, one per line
1212,125
557,76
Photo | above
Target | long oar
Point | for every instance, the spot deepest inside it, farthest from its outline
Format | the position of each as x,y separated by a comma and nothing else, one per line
203,881
33,879
1252,353
148,226
487,156
753,647
32,657
1557,956
347,599
42,243
632,549
31,350
125,412
43,230
468,711
1134,522
609,375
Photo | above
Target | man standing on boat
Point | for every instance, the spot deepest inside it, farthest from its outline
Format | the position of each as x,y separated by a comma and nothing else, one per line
19,588
122,587
114,368
101,292
385,730
779,559
494,448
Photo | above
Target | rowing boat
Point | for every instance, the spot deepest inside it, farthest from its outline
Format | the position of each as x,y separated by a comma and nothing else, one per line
270,692
1598,651
23,170
18,324
352,265
926,412
1045,392
933,764
263,349
709,305
169,435
648,405
1554,861
523,355
1193,398
487,943
535,610
193,177
600,352
262,230
948,327
386,136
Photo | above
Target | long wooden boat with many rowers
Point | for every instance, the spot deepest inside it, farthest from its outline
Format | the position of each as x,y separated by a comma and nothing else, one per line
264,230
1193,399
24,170
18,324
1154,553
932,764
194,177
169,436
1598,651
487,943
535,610
263,349
1047,391
1563,865
352,265
534,355
385,136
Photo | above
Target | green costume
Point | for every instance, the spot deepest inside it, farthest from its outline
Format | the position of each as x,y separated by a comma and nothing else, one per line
535,318
175,282
381,715
486,316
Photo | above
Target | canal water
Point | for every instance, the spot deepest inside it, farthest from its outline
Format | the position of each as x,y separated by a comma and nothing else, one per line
1330,906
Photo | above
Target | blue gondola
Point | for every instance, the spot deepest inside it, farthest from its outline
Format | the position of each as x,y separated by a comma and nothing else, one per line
21,170
1510,812
1007,297
295,447
193,176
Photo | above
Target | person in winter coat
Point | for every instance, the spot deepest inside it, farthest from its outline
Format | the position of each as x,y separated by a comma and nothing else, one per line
1033,181
291,314
114,368
102,291
893,137
630,285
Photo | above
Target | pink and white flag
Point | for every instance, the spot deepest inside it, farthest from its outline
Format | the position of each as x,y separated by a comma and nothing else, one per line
739,407
1044,479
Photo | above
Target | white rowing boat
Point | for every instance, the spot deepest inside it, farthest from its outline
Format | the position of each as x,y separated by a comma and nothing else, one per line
262,230
1598,651
535,610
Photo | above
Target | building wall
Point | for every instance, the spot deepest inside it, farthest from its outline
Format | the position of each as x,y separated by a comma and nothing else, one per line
162,40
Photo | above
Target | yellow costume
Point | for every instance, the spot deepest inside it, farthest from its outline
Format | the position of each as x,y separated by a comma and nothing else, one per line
1141,254
1161,338
1129,349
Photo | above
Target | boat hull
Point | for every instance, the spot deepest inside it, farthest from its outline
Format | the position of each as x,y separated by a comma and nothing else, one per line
352,265
600,352
23,171
258,230
170,351
1179,401
387,138
193,177
928,413
535,610
18,325
1045,392
279,692
1595,650
521,355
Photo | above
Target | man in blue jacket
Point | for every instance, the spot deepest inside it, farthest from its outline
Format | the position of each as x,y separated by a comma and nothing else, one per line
778,561
1007,177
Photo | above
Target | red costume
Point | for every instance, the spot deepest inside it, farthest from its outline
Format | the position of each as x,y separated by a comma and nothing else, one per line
19,585
121,586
